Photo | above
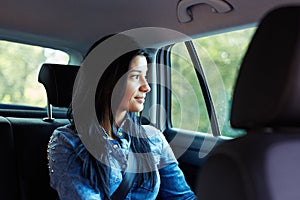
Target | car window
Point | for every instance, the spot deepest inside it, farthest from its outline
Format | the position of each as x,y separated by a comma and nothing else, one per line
220,56
19,68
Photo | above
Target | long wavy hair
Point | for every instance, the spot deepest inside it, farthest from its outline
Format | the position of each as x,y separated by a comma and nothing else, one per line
94,170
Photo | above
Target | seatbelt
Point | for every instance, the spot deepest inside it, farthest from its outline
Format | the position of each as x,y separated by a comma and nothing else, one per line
123,189
127,182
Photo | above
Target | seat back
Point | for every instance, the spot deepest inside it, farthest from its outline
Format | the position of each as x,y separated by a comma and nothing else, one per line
24,140
31,136
263,164
9,185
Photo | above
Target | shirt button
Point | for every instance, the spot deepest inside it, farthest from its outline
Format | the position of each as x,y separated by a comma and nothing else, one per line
125,146
123,166
115,146
120,134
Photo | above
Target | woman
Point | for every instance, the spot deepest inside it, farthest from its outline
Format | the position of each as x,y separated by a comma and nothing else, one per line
127,145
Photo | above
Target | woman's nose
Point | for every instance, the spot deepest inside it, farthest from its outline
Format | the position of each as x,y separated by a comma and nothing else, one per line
145,86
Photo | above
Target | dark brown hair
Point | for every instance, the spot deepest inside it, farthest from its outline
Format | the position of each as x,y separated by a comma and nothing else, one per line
97,172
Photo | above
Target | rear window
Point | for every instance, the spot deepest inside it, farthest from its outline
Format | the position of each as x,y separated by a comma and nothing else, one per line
19,68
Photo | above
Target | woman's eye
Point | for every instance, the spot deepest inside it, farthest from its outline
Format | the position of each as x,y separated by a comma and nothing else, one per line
135,76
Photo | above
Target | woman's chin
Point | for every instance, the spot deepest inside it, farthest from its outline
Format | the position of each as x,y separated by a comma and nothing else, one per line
137,109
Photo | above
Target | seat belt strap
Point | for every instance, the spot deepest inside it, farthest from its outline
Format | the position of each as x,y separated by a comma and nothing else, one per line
128,180
123,189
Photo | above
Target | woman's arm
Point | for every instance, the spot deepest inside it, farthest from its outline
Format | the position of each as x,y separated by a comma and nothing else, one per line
72,187
173,184
65,168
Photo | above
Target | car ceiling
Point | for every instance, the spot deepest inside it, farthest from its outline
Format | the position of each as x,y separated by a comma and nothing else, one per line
73,25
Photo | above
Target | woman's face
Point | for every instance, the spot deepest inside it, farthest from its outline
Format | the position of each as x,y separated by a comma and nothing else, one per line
136,87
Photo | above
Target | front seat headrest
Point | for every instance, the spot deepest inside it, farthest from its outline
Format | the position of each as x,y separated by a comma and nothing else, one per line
58,81
267,91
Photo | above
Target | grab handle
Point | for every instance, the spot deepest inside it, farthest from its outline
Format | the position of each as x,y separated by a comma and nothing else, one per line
183,8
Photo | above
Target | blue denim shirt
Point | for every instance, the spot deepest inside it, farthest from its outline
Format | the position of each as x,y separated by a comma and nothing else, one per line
66,173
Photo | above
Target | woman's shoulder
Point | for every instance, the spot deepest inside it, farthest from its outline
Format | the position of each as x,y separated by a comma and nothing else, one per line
151,129
62,156
66,135
155,135
63,147
160,146
152,132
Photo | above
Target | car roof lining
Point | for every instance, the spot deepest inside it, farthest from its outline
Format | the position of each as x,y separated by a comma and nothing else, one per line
76,34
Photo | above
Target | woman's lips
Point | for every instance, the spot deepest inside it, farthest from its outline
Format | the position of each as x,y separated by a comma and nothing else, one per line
140,99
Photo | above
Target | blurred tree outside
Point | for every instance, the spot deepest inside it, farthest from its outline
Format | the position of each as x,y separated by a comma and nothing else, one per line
220,56
19,67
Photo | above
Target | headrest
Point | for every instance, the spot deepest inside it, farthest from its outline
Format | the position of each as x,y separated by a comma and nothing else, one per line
267,91
58,81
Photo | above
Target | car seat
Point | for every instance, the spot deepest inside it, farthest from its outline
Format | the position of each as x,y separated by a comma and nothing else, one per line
264,163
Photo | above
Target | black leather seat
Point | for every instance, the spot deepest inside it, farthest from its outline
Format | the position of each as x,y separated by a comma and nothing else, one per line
24,141
263,164
31,136
9,185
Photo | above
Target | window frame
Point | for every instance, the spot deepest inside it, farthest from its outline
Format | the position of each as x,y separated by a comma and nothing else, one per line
185,143
164,94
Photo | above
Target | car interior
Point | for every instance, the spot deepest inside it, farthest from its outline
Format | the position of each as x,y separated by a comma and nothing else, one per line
224,85
263,163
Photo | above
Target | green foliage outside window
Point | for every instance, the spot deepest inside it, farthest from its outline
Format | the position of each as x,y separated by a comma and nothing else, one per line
220,56
19,67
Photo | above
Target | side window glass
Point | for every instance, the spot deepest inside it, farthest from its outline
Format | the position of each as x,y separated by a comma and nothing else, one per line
188,109
19,67
220,56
